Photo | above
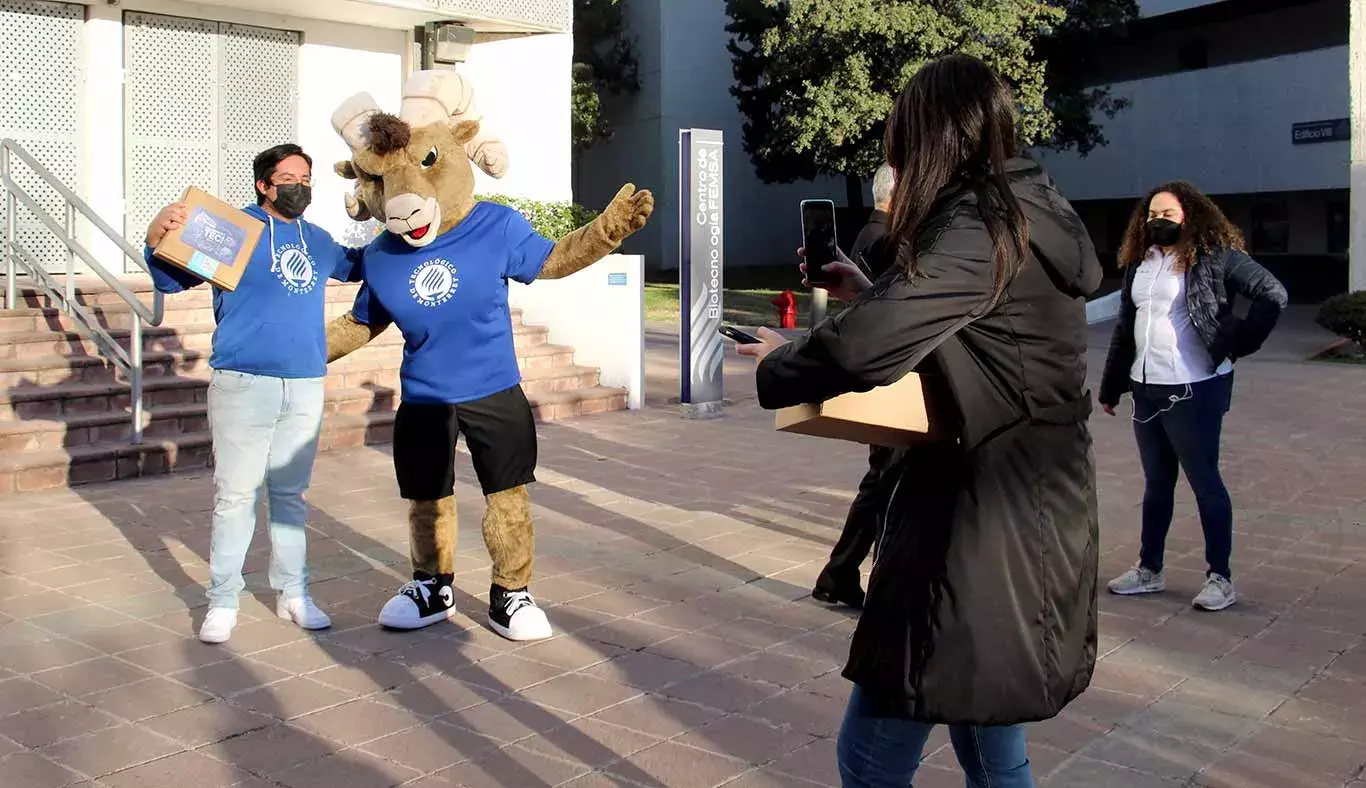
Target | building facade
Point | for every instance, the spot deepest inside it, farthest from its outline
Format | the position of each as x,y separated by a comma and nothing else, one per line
1247,99
128,102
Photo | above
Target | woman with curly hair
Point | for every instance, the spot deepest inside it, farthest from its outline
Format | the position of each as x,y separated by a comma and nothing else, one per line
1174,349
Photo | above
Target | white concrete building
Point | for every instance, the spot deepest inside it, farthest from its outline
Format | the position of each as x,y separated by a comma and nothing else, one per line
129,102
1247,99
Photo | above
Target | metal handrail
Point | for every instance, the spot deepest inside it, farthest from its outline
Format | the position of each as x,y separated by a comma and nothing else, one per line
16,257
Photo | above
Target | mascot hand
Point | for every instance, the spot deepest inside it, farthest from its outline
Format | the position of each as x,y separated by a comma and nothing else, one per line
627,213
355,208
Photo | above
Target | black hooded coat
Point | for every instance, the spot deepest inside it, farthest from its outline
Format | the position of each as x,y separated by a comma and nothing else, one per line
981,603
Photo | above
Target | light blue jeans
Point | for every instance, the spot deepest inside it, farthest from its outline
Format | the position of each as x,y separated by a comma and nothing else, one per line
882,752
265,438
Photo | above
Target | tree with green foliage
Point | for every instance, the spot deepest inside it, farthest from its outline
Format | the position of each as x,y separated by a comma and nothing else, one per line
605,62
816,79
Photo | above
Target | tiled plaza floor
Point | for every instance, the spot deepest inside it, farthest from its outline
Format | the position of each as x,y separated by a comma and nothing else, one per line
675,559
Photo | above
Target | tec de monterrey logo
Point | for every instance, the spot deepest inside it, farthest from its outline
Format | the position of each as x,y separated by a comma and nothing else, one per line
433,283
295,271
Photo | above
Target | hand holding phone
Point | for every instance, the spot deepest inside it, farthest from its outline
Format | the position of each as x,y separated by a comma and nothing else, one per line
818,240
740,337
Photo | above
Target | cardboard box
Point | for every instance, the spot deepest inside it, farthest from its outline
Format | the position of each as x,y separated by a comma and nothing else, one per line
216,241
893,415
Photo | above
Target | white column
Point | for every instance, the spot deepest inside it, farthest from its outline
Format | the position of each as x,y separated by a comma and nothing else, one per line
101,178
1357,60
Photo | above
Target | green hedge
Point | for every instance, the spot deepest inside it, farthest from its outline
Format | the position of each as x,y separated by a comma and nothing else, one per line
1345,315
554,220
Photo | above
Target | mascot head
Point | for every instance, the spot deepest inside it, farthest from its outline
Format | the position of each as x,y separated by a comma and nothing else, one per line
413,169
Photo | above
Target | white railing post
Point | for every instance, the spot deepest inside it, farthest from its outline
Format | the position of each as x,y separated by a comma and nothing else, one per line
70,258
11,281
135,376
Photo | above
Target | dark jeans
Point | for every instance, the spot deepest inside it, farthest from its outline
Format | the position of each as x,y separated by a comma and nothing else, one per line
860,526
884,752
1178,428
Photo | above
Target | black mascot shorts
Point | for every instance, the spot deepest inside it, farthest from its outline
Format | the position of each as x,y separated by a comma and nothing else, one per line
499,430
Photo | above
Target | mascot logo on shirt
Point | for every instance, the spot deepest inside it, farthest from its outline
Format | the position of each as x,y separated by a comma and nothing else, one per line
295,271
433,283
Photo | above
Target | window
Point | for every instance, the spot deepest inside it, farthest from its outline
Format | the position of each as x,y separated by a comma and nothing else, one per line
1270,227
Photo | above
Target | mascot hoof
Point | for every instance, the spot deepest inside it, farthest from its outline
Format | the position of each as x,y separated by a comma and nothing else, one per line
418,604
514,615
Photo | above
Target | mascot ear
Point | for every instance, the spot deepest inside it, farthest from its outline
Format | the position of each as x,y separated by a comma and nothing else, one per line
345,169
465,131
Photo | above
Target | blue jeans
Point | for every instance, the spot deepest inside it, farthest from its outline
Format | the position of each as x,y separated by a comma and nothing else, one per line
883,752
1178,428
265,437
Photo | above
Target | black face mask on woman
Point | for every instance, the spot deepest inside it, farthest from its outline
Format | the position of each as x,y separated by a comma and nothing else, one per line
1163,232
292,198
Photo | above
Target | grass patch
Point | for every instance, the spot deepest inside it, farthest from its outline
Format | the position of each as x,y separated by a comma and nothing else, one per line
751,307
1342,352
749,292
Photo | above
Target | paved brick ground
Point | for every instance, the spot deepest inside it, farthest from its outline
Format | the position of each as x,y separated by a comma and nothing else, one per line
675,557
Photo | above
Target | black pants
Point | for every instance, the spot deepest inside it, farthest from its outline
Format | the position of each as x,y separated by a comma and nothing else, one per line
500,431
1178,428
861,524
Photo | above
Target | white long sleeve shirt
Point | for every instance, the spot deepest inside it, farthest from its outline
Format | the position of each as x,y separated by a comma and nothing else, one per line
1169,351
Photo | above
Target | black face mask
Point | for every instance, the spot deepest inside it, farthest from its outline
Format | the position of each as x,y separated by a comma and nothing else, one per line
1164,232
292,198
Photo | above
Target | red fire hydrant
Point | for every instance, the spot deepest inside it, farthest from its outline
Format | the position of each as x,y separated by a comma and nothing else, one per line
785,304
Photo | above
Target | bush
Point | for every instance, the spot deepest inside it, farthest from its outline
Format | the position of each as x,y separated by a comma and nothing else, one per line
1345,315
554,220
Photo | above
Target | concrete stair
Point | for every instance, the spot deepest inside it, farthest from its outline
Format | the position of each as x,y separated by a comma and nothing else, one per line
65,413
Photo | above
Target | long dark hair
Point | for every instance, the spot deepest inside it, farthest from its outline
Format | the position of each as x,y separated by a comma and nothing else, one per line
955,122
1205,229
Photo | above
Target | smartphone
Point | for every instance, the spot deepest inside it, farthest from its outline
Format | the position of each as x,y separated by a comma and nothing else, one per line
818,238
739,336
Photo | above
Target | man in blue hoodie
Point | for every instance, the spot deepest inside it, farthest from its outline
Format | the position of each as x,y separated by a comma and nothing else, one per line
266,390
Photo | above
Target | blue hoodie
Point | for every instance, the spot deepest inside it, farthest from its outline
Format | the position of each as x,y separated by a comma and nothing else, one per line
273,324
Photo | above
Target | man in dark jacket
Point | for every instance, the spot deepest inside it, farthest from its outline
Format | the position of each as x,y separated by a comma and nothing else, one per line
839,581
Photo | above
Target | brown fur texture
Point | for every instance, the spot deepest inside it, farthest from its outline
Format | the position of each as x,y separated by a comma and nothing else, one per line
388,133
450,179
510,537
626,214
345,336
432,534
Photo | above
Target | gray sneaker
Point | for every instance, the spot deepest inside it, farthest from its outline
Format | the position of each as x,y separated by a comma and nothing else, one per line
1217,594
1138,580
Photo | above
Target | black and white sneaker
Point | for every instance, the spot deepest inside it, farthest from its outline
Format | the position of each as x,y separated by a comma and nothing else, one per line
514,615
419,603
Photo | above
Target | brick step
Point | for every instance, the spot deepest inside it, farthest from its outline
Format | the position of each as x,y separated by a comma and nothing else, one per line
27,403
61,370
30,344
178,312
92,291
109,460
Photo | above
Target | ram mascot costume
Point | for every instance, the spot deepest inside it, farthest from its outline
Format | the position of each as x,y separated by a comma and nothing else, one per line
440,273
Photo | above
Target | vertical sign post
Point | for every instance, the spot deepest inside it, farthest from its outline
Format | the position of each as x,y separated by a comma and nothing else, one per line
701,259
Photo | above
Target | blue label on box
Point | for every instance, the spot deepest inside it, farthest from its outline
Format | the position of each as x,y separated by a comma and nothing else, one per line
616,280
213,237
203,265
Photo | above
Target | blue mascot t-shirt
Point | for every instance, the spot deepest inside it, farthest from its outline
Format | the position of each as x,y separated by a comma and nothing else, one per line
450,300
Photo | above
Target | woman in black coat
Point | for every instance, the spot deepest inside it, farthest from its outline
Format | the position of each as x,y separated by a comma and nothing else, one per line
981,604
1174,348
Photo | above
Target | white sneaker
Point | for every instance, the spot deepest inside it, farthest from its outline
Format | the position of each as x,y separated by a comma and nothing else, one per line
218,624
302,611
1217,593
1138,580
